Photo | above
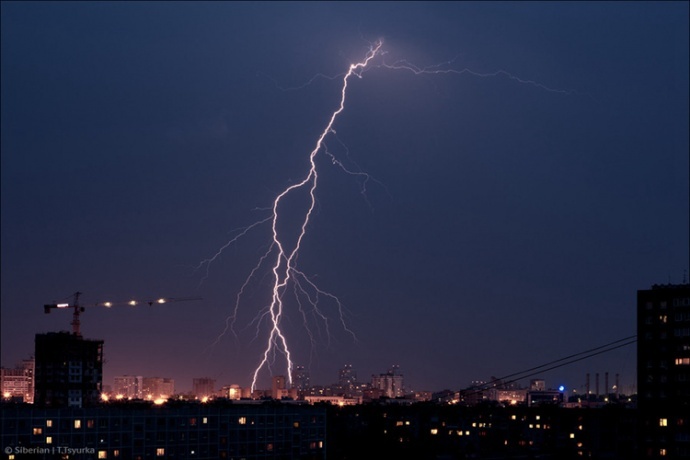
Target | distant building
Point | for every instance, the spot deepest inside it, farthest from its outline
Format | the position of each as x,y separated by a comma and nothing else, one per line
279,388
203,387
391,384
301,380
69,370
537,385
158,387
129,386
347,378
663,370
18,383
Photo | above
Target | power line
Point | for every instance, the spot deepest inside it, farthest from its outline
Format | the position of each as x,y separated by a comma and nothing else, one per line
563,362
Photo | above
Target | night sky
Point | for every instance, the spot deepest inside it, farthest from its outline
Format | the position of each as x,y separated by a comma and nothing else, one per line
505,225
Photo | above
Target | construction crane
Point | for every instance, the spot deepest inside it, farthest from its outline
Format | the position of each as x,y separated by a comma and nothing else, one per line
78,309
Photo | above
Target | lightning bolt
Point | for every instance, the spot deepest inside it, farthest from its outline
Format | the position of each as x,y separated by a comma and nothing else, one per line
284,266
284,256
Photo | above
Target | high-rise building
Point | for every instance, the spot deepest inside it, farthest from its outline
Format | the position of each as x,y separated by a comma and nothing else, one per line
663,370
347,377
300,381
158,387
204,387
129,386
69,370
390,384
18,382
278,390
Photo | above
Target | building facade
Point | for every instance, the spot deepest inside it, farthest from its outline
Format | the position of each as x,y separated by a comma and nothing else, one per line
663,370
18,383
142,430
391,384
128,386
69,370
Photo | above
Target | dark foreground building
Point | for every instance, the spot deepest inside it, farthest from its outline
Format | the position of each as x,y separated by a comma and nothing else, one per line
663,370
288,430
175,430
69,370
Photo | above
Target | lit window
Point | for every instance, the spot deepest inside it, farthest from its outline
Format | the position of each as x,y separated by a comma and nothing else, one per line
49,423
102,454
160,452
663,422
572,435
295,424
269,447
49,439
89,424
662,452
242,420
434,431
38,431
77,424
116,453
204,420
682,361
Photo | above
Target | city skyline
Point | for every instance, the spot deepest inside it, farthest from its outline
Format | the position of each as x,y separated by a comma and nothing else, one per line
514,209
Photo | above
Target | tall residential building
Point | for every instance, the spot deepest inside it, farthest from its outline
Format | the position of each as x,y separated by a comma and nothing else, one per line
158,387
391,384
347,377
663,370
279,388
204,387
18,382
69,370
300,380
129,386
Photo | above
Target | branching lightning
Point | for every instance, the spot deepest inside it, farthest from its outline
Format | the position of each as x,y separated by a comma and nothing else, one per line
283,256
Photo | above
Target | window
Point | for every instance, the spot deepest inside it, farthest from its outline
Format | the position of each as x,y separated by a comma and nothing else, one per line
49,439
102,454
682,361
77,424
242,420
49,423
663,422
38,431
160,452
89,424
682,332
